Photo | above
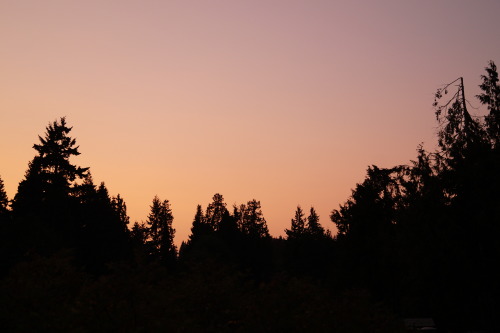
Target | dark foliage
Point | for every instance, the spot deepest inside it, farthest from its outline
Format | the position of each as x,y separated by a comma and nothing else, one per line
416,240
160,240
4,201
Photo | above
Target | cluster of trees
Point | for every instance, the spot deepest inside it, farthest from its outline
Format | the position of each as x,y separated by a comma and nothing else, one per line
413,240
424,236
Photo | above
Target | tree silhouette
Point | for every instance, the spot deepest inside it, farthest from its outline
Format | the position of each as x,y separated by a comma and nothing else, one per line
102,235
216,211
50,175
54,151
228,227
313,227
491,98
44,206
460,135
161,232
200,226
419,238
139,234
371,209
4,201
367,232
298,225
252,221
120,208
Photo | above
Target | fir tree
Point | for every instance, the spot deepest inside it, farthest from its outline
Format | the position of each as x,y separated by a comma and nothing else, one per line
139,234
199,227
161,232
50,177
215,211
491,98
4,201
253,223
298,225
313,227
45,207
120,209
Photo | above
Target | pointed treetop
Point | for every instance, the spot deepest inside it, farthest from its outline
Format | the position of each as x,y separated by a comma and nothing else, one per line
55,150
313,226
4,201
298,224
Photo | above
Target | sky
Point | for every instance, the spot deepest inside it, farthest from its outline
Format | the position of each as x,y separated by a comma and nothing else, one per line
286,102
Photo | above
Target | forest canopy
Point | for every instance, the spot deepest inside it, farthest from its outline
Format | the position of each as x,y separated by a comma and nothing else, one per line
414,240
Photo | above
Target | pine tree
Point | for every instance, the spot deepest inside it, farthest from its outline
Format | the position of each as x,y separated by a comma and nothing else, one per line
50,177
44,208
161,232
253,223
298,225
200,227
120,208
491,98
371,210
460,135
139,234
216,211
54,152
313,227
4,201
102,235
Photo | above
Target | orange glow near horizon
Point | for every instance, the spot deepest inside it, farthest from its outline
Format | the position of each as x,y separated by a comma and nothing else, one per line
287,102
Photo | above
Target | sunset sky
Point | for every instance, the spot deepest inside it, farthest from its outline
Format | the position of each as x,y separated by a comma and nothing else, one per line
287,102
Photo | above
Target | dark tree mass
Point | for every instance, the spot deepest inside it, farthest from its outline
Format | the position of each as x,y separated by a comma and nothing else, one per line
413,241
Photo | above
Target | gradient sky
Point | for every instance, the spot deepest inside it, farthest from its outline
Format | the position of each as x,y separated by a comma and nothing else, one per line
286,102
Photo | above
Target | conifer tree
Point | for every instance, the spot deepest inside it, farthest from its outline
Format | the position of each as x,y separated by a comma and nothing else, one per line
215,211
253,223
54,151
120,209
139,234
45,205
102,234
313,227
161,232
298,225
228,226
460,135
491,98
50,176
199,227
4,201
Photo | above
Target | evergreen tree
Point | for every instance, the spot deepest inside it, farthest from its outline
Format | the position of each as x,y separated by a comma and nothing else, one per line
253,223
4,201
139,234
45,206
120,208
50,176
200,227
491,98
102,234
460,135
367,225
216,211
161,232
370,211
228,227
238,212
54,152
298,225
313,227
86,191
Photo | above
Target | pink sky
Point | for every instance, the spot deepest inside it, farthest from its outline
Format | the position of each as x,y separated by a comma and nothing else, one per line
286,102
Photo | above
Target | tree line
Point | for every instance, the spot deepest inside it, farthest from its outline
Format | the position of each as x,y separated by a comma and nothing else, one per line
417,240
